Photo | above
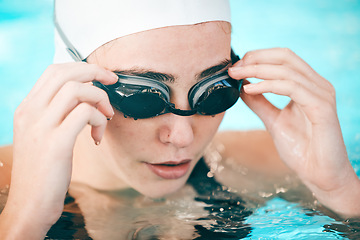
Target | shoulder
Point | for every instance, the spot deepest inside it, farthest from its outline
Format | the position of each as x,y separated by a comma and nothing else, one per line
248,162
6,157
254,150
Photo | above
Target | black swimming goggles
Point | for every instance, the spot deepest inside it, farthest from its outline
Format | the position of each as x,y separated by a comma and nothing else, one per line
140,97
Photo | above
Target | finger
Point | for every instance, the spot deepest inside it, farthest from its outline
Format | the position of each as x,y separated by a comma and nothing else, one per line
55,76
292,89
312,104
77,119
268,72
275,72
265,110
283,56
73,93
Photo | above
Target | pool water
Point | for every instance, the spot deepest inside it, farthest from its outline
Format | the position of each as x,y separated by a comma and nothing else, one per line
326,34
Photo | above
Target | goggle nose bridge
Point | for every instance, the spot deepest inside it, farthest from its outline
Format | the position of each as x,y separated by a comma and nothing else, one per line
170,107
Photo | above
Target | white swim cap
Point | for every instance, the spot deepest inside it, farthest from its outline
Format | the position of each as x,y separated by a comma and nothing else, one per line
88,24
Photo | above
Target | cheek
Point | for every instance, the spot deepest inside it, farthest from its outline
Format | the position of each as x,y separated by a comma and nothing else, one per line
207,126
129,134
128,129
139,138
213,122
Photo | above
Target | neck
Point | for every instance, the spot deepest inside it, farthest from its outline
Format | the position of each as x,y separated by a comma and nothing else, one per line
89,164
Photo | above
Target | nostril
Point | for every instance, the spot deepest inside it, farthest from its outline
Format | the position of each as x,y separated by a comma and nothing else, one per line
178,131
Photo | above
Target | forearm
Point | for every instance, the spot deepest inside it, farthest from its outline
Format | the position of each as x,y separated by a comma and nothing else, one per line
21,224
10,229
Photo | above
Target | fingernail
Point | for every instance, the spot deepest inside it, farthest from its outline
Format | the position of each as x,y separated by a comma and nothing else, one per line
113,75
248,86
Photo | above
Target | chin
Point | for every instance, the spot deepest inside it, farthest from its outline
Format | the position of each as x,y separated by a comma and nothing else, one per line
162,189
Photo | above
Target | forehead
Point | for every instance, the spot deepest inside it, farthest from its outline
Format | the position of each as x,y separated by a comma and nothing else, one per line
169,49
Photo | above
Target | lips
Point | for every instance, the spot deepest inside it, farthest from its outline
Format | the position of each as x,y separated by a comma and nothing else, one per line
170,170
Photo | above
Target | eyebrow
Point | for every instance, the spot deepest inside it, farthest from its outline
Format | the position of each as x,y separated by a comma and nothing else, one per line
224,64
165,77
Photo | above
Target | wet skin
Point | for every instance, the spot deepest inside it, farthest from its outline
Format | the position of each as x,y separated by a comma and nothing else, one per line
56,126
129,146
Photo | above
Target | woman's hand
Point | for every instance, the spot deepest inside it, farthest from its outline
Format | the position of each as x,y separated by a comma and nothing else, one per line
46,125
306,132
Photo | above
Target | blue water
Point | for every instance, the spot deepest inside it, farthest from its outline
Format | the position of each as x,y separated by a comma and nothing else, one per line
324,33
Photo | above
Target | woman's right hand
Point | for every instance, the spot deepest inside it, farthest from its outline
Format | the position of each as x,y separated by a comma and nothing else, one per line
46,125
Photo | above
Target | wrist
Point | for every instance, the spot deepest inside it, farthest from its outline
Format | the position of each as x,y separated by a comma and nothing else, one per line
343,200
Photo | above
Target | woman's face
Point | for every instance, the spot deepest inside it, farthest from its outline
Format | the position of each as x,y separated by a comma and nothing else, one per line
156,156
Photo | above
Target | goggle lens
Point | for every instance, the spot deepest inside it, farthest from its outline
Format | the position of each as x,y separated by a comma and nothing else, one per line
142,105
219,100
137,99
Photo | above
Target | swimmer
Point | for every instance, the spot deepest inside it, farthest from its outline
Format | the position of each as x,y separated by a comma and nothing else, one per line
85,122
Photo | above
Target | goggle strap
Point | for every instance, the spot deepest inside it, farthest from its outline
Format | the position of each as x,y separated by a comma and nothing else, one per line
69,47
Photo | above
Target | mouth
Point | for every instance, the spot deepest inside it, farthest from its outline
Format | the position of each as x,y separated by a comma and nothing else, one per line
170,170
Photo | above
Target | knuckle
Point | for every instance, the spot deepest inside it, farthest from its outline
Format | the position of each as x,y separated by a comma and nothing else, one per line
71,87
91,114
94,67
294,86
331,90
328,107
18,116
60,70
85,109
96,70
53,69
103,95
253,68
287,51
249,55
21,116
257,71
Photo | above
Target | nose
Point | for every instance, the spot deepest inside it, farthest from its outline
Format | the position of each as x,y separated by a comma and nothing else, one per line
177,130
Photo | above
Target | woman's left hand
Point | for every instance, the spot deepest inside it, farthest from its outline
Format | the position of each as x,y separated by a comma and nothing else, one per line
306,132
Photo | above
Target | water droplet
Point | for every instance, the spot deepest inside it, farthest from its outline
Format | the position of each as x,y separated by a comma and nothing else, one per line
281,190
265,194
